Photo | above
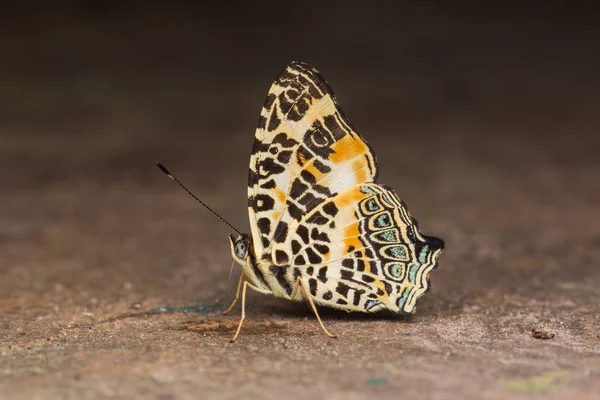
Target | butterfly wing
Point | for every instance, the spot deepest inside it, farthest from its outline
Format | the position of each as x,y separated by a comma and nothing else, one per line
304,151
316,212
361,251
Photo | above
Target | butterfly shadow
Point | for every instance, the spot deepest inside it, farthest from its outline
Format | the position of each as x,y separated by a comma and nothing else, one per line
301,311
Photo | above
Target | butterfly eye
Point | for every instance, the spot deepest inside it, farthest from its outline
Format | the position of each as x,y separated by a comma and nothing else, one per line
241,248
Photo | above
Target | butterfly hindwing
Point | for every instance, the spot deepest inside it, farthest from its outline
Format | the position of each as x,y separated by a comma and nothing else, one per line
361,250
304,152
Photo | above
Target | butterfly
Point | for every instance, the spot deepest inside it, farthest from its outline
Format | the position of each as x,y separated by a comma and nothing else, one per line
322,229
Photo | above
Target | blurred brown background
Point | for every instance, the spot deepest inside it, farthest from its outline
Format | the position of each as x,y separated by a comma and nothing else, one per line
484,119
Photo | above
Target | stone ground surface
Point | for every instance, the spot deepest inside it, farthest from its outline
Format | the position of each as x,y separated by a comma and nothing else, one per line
112,279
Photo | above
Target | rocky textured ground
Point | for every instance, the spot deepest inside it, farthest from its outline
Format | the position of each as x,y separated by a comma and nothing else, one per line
113,279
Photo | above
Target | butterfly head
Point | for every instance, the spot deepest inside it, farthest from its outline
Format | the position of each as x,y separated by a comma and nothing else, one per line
240,247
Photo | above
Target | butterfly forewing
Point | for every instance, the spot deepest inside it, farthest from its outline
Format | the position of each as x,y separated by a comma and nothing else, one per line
304,151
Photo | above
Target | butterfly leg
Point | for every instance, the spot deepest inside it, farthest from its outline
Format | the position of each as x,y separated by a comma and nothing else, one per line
301,284
237,295
245,286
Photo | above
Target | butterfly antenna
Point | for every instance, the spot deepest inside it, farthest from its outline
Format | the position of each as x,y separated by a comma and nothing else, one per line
166,171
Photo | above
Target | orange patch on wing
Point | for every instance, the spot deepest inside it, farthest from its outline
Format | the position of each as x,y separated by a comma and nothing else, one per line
359,170
349,198
280,195
301,159
379,284
276,215
351,234
314,171
347,149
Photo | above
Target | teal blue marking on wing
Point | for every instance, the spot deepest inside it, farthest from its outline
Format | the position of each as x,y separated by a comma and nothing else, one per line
398,252
371,303
390,236
402,300
366,189
383,221
396,270
423,254
412,273
372,205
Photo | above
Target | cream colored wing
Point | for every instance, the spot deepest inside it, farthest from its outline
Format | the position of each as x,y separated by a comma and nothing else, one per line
304,152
